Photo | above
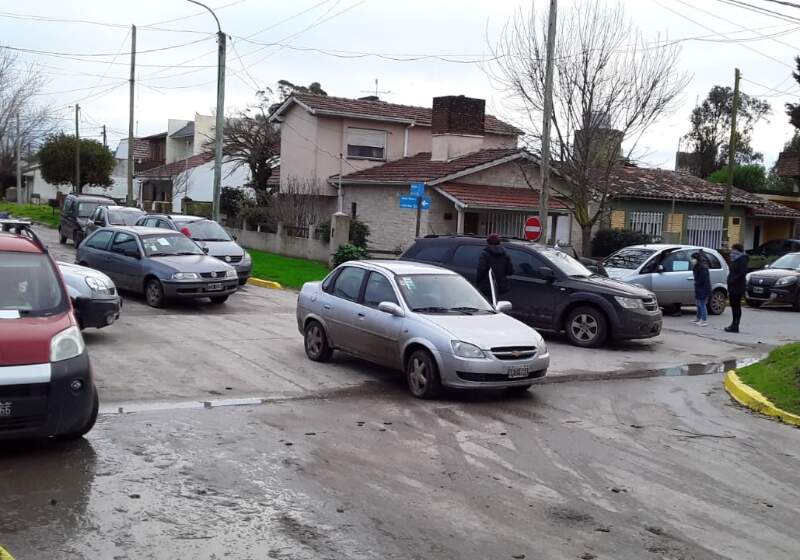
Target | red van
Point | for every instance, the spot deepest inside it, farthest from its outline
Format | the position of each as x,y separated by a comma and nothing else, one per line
46,386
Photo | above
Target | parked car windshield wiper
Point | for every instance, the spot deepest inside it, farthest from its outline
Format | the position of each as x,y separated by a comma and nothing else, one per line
159,254
432,309
208,239
467,310
187,253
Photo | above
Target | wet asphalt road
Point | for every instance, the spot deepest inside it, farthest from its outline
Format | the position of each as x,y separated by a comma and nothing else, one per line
663,468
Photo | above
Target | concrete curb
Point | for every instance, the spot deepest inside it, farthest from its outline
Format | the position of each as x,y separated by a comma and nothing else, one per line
752,399
264,283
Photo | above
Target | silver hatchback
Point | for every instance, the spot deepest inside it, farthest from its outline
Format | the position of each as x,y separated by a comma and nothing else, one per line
424,320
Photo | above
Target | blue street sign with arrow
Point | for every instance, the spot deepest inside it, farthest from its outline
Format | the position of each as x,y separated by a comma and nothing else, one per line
417,189
410,202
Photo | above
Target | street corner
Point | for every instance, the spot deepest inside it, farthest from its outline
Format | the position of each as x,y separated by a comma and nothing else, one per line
4,554
264,283
754,400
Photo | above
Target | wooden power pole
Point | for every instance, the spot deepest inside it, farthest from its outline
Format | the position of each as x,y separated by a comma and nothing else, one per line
132,82
77,188
19,167
544,195
726,212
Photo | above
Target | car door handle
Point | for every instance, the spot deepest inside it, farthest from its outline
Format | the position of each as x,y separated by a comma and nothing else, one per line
360,315
326,306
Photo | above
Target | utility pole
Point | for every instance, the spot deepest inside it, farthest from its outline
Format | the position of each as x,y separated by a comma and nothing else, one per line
19,165
132,82
726,212
105,141
544,195
77,151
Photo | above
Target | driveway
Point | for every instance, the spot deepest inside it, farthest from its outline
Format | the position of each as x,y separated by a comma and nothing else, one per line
250,348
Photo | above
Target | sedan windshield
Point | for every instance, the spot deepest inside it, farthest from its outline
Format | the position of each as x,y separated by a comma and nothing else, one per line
790,262
565,263
169,244
123,217
29,285
441,293
205,230
630,259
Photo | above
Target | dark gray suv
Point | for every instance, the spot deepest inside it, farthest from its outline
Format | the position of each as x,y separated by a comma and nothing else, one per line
551,290
75,214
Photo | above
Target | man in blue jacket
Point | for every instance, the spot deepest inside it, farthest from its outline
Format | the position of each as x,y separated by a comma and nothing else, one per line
737,283
702,287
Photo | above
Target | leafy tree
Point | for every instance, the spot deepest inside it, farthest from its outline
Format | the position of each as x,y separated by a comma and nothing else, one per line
287,88
57,158
751,177
607,241
793,109
711,128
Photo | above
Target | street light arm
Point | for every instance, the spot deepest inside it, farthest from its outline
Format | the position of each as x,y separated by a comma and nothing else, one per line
219,27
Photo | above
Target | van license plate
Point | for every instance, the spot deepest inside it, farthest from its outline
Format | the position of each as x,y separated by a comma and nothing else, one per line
215,287
517,371
757,290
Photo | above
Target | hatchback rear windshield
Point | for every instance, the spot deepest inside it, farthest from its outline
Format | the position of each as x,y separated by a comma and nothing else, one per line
123,218
205,230
628,258
441,293
29,285
166,244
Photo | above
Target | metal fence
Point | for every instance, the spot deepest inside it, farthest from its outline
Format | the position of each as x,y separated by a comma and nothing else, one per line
650,223
705,231
510,224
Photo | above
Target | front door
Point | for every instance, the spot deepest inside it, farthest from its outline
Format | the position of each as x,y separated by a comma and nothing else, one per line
533,297
125,262
378,332
674,282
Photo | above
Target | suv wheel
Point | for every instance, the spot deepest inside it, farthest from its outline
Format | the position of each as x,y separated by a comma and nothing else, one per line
422,375
586,327
717,302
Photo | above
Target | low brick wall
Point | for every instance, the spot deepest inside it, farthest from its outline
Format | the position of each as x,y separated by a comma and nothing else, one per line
282,244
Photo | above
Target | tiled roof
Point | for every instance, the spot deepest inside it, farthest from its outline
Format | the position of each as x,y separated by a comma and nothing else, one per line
420,167
773,209
170,170
392,111
637,182
482,196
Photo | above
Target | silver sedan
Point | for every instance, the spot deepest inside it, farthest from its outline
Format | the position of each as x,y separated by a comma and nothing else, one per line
424,320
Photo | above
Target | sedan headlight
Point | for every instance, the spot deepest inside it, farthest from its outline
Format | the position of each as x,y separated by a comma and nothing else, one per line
66,344
630,303
185,276
466,350
786,281
231,274
247,259
97,285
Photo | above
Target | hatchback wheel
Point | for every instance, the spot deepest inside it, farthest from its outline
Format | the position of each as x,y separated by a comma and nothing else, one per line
587,327
154,293
422,375
316,342
61,237
716,305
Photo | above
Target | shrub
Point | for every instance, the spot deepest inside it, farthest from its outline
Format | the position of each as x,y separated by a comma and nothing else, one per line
231,201
606,241
255,214
748,177
359,232
349,252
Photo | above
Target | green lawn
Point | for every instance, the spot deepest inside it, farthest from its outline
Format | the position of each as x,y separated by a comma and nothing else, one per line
40,213
777,377
287,271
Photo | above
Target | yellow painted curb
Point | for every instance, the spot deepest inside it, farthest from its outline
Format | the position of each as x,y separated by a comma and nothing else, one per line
5,555
264,283
749,397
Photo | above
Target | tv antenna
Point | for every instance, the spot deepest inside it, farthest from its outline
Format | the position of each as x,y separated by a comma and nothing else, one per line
376,92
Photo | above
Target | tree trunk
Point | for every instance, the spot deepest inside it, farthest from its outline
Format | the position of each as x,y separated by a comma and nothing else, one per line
586,240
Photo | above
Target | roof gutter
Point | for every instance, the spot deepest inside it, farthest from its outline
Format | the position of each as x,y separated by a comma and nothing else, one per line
405,138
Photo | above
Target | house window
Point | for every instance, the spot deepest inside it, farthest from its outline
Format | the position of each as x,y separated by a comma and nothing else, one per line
363,143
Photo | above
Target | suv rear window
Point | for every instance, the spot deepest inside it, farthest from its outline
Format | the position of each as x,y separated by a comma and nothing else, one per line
29,285
432,253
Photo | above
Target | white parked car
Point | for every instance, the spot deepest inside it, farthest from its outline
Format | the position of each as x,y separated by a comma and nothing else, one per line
666,270
424,320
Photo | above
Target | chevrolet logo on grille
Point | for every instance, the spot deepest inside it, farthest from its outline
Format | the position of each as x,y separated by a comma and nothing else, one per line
516,353
227,259
213,275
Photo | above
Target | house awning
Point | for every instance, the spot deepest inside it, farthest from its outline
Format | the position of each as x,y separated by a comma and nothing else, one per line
496,198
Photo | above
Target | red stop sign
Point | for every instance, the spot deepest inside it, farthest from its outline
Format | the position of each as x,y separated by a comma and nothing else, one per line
533,228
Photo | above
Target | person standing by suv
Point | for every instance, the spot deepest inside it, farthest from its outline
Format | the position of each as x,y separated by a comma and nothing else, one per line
494,258
737,284
702,287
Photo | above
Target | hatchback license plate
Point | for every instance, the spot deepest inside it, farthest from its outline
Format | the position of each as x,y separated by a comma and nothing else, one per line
757,290
517,371
215,287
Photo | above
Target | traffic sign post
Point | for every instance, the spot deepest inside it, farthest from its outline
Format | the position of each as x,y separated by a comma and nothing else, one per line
533,228
416,200
417,189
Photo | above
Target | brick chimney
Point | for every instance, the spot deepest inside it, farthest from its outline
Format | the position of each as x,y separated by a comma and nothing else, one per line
456,126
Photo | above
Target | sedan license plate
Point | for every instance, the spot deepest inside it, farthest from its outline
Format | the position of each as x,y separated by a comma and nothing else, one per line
757,290
517,372
215,287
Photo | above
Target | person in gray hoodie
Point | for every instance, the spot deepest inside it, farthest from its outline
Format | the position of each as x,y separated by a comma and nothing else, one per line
494,258
737,283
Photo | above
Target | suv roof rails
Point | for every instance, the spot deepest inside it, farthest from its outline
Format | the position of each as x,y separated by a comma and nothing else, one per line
22,228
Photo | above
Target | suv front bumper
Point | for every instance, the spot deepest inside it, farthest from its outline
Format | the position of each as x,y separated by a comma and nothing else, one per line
637,323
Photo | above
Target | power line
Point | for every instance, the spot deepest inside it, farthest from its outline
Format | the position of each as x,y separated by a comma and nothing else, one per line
760,10
777,93
784,3
115,55
196,14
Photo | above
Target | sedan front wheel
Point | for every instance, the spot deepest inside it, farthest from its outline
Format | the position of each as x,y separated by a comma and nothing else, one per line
422,375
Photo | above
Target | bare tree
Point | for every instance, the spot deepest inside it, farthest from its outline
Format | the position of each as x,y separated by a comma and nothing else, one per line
609,84
20,84
298,204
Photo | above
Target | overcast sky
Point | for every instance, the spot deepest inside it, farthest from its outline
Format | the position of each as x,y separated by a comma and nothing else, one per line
177,82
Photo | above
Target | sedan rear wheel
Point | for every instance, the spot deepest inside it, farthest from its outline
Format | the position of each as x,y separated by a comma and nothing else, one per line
717,302
587,327
316,343
422,375
154,293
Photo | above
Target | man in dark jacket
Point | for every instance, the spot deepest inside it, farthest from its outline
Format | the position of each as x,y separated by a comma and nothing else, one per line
737,283
702,287
494,258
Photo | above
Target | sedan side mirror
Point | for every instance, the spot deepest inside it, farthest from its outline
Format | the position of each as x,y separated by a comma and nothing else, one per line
503,306
546,272
391,308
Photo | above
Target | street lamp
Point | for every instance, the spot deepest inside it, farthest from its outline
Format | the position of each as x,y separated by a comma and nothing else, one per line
220,112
